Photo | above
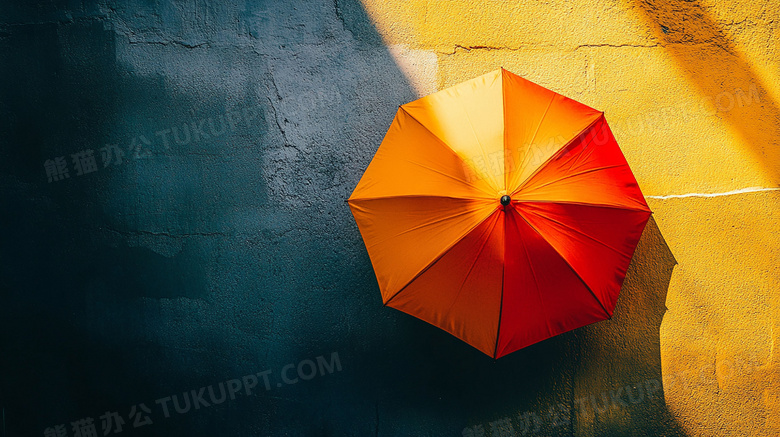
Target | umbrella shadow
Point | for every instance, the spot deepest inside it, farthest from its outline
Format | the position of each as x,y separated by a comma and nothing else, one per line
713,64
618,387
601,380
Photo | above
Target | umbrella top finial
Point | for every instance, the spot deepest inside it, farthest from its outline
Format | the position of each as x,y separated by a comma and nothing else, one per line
505,200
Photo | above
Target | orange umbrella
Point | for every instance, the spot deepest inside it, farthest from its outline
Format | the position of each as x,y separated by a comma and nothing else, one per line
501,212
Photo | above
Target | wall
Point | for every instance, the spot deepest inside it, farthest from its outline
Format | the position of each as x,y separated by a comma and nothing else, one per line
220,246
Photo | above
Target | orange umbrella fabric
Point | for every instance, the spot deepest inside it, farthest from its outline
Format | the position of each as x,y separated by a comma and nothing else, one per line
501,212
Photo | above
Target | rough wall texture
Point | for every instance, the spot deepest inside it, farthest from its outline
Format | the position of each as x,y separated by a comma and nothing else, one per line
211,240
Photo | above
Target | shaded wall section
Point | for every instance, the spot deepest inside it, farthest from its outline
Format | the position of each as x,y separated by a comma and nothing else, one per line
199,234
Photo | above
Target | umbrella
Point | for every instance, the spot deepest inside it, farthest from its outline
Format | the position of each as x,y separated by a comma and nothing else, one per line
501,212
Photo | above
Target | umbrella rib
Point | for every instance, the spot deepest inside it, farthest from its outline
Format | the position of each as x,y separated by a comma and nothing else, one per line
595,205
526,154
577,231
470,211
473,263
406,196
536,281
580,156
570,266
590,170
501,299
538,126
536,132
449,176
441,254
544,115
556,154
504,148
447,146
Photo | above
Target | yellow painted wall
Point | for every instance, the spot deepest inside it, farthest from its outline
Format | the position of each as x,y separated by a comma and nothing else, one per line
692,92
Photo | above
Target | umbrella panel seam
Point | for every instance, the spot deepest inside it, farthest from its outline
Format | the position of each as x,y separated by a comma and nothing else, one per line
555,155
570,266
441,254
447,146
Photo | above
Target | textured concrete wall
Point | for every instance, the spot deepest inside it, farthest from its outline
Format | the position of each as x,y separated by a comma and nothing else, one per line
220,246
